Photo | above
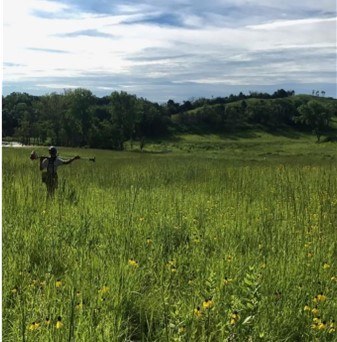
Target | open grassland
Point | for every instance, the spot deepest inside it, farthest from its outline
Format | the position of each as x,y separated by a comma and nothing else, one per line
234,244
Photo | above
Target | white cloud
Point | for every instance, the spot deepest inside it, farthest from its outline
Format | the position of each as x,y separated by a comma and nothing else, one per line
207,51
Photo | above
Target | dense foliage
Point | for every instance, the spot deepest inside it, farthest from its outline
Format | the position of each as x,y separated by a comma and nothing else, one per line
79,118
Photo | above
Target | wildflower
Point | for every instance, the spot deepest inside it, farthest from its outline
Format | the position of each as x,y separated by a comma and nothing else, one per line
78,293
331,330
149,241
59,323
171,265
229,258
141,219
326,266
14,290
47,321
197,239
234,318
227,281
33,283
314,326
315,311
34,326
332,327
103,290
315,323
58,283
79,306
207,304
197,312
307,308
334,279
321,297
134,263
321,325
182,330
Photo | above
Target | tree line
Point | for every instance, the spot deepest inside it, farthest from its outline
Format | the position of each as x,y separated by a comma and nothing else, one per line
79,118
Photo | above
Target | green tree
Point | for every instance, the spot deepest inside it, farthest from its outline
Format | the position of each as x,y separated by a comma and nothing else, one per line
78,115
51,110
316,116
124,107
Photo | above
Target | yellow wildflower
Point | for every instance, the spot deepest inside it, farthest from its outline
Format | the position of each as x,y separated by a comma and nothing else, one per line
197,312
15,290
332,327
103,290
197,239
207,304
229,258
59,323
58,283
34,326
47,321
321,297
227,281
321,326
334,279
171,265
314,326
315,311
234,318
149,241
181,330
134,263
326,266
331,330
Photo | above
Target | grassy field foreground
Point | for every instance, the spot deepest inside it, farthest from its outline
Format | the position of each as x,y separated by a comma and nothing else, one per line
171,247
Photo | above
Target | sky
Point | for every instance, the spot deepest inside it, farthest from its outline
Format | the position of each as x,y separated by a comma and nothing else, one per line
161,50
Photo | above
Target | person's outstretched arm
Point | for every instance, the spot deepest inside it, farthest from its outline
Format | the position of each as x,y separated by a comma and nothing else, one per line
71,160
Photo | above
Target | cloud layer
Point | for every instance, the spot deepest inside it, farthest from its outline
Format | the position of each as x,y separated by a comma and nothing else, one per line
178,49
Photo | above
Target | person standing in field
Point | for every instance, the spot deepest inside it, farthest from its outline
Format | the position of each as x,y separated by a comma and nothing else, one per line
50,164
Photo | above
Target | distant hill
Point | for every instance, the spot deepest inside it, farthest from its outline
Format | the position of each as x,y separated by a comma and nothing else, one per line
251,113
78,118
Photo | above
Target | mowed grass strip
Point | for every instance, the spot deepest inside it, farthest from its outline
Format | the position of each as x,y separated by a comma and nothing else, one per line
141,247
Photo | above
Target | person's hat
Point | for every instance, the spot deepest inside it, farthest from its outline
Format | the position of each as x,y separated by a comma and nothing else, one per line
52,150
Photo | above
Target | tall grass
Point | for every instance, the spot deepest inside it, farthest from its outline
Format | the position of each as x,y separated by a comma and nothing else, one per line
141,247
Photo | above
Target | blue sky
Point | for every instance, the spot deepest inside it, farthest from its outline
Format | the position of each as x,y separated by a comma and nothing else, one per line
161,50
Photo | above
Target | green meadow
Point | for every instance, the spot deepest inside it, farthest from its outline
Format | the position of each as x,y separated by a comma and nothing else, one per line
196,239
